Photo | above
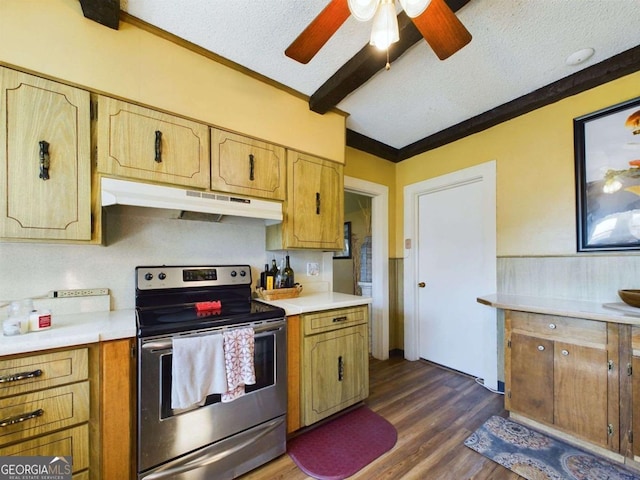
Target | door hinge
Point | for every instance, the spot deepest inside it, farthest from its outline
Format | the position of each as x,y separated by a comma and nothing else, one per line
610,365
610,429
508,343
93,110
133,351
630,436
629,370
509,394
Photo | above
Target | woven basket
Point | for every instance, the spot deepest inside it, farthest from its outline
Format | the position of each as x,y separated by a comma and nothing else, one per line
279,293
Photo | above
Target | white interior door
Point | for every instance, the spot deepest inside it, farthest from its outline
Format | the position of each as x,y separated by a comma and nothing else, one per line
454,257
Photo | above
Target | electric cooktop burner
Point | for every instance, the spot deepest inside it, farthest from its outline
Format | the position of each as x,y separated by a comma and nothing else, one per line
173,299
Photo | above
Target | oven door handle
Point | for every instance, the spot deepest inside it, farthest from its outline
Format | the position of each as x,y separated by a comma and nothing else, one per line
203,457
166,344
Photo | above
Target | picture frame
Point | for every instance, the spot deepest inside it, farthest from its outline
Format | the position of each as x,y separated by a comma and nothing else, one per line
346,252
607,171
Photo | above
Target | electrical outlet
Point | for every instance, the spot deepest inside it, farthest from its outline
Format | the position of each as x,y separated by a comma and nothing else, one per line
313,269
81,292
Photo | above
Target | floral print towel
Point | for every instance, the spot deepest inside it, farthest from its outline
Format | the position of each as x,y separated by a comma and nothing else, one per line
239,348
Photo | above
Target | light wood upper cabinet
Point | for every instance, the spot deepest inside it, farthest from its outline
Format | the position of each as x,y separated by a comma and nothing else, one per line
247,166
552,362
314,210
137,142
45,159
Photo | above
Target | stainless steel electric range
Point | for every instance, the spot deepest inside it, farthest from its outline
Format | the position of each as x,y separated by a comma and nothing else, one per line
217,439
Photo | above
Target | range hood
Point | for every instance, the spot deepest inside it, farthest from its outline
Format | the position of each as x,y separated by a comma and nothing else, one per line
123,192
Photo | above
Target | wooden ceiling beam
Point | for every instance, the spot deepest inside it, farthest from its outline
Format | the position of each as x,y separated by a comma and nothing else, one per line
105,12
625,63
366,63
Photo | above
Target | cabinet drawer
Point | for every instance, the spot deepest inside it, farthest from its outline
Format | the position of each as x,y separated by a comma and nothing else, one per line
35,372
71,442
333,319
43,411
574,330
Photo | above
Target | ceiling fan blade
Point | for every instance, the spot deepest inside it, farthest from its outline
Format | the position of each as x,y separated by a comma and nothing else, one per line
319,31
441,29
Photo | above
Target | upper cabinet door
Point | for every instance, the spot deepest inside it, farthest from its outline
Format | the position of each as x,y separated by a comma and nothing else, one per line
138,142
45,162
315,203
247,166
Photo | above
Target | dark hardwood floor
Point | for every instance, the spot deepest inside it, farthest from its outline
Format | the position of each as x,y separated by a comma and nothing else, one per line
434,411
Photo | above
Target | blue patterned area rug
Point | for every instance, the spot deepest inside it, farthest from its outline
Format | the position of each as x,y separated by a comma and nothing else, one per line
535,456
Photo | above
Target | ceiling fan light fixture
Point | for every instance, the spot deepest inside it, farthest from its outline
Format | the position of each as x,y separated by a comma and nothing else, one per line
363,10
384,31
413,8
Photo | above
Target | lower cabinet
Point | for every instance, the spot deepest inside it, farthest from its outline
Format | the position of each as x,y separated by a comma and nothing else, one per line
45,406
564,373
335,362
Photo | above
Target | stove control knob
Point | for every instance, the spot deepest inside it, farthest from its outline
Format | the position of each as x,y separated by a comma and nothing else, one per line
162,275
148,276
243,273
233,273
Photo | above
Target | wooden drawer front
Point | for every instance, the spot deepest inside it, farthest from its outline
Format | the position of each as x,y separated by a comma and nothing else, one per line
71,442
59,407
246,166
57,368
333,319
574,330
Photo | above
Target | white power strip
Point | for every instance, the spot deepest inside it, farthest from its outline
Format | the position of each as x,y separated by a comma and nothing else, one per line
82,292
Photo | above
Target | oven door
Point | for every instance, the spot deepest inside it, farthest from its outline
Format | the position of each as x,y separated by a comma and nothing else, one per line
165,434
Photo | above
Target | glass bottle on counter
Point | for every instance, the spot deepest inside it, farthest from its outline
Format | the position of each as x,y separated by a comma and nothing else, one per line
274,273
287,275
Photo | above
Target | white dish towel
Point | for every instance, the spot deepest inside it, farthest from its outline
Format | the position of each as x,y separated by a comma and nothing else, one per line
197,370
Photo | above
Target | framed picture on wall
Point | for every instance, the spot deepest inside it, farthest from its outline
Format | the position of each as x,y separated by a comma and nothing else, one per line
607,165
346,253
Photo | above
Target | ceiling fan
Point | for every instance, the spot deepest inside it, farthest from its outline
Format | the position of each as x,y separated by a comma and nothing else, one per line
433,18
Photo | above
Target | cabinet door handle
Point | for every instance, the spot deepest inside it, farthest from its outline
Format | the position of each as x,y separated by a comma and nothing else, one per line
565,352
20,376
251,167
21,418
158,146
541,348
44,160
339,319
552,326
317,203
340,369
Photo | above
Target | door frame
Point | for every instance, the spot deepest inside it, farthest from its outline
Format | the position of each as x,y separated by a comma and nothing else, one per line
487,173
379,261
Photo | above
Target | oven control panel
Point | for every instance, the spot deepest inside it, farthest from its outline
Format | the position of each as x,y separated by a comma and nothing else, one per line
156,278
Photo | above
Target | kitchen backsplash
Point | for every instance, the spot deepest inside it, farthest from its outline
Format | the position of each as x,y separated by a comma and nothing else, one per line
138,236
580,277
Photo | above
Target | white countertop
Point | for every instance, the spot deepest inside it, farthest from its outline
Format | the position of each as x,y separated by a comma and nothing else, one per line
73,329
69,330
313,302
607,312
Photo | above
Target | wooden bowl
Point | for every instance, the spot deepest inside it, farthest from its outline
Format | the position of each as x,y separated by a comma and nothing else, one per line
630,297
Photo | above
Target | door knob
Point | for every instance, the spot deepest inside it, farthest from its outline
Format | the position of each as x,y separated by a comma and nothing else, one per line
422,284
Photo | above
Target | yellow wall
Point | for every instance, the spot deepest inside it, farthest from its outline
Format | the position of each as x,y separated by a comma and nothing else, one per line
53,38
535,171
374,169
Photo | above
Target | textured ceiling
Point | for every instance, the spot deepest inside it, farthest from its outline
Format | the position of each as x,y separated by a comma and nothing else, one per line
518,46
